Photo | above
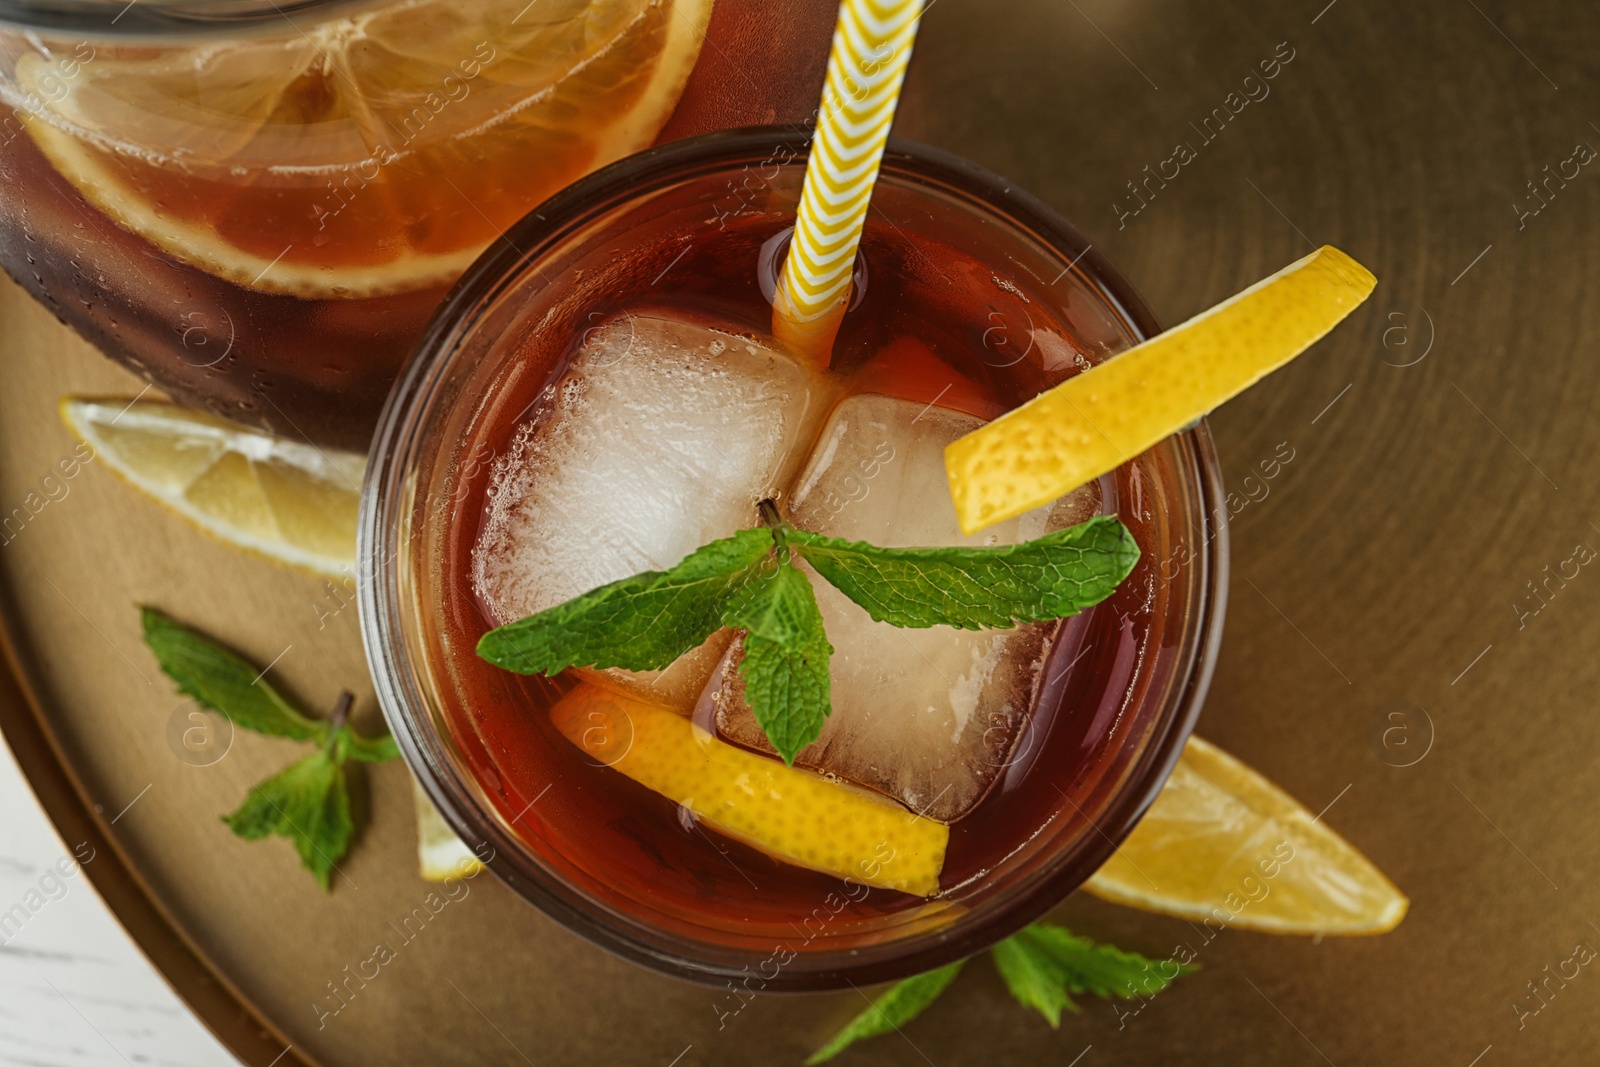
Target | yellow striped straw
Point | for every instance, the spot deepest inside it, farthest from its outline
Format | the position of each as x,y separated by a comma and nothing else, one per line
871,46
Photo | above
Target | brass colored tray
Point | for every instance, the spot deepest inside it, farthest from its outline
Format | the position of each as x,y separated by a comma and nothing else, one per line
1386,656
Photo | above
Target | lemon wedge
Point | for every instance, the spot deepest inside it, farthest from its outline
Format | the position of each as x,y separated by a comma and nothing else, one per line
793,814
440,853
1110,413
1224,846
293,503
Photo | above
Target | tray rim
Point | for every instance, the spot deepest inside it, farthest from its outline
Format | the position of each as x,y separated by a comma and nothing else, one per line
237,1022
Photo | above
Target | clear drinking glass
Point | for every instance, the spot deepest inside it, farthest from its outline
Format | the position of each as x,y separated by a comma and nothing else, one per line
700,224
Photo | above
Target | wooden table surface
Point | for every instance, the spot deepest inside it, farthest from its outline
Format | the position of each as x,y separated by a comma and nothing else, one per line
75,991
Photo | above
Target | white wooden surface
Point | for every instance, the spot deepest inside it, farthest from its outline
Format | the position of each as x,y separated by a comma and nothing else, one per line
74,990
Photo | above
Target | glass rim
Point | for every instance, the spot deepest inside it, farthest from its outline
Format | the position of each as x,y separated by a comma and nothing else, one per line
385,503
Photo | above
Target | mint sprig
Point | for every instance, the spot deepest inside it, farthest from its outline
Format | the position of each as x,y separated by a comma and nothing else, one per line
1044,964
308,801
1079,966
1043,967
1050,577
749,581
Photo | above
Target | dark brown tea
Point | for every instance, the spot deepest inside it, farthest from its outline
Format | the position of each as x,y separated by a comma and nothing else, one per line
641,410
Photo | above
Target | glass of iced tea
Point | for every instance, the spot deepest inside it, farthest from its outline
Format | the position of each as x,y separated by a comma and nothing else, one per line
258,205
602,395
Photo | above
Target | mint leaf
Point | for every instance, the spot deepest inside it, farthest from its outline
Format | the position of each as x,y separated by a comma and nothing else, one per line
222,681
785,666
309,801
1044,963
1102,970
889,1010
1033,977
306,802
366,749
639,623
1050,577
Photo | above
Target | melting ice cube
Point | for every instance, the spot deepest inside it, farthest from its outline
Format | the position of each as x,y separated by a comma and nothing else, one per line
663,435
929,717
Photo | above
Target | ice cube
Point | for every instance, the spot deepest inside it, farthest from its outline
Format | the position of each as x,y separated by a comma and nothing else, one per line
929,717
662,435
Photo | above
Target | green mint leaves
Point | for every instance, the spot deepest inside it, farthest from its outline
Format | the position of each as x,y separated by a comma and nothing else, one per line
640,623
1052,577
785,665
898,1004
1044,963
309,800
221,681
645,622
749,581
1041,966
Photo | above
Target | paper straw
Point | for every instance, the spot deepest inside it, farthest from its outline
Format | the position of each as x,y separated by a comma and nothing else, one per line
866,66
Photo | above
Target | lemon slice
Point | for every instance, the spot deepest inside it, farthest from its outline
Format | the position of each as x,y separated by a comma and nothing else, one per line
1224,846
793,814
367,155
1105,416
440,853
293,503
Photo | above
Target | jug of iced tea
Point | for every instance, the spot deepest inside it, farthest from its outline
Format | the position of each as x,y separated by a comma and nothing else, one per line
258,205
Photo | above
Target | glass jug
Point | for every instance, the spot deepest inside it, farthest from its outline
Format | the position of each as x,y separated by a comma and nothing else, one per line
258,205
